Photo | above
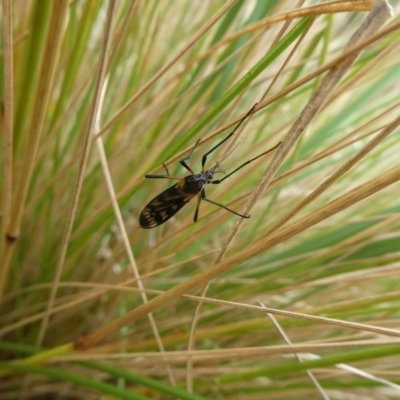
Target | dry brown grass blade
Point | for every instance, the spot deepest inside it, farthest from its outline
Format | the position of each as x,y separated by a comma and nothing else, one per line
126,243
93,111
46,75
217,355
18,39
8,120
308,317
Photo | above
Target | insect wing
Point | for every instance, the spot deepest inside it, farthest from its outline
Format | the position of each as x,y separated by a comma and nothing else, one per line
164,206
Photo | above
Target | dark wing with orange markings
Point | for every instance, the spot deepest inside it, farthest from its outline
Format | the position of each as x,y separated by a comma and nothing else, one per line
164,206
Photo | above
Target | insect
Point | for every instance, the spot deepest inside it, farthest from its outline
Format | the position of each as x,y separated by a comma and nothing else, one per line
168,203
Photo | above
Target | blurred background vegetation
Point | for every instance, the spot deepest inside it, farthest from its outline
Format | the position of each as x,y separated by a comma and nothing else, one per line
174,72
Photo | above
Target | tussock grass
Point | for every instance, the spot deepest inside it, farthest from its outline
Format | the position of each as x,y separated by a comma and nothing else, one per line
298,301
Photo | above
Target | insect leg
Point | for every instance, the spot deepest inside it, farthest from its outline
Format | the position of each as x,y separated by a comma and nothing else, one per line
168,176
203,160
183,163
241,166
159,176
196,213
165,167
203,196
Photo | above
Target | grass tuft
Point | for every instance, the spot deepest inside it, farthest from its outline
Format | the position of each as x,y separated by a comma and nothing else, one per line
300,300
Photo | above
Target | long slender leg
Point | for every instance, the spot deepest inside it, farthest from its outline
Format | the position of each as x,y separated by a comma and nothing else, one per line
168,176
241,166
156,176
196,213
203,196
183,163
166,169
203,160
159,176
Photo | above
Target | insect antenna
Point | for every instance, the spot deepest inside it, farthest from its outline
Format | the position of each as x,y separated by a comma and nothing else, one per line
216,182
204,159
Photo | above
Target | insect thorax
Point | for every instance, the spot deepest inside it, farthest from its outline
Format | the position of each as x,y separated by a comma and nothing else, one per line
194,183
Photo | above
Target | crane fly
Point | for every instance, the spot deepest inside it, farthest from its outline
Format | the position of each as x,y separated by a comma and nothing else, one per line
168,203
